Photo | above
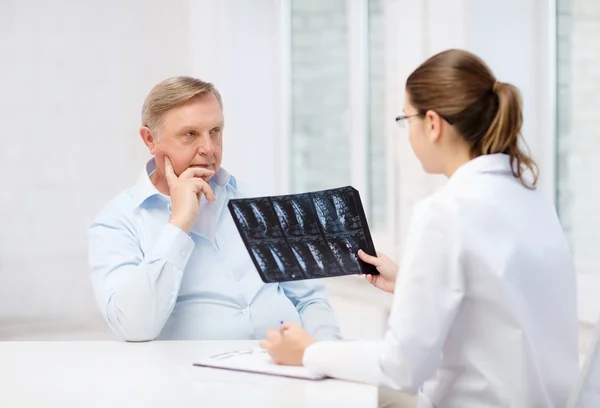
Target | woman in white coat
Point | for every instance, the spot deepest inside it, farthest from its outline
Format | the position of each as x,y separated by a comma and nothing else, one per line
484,313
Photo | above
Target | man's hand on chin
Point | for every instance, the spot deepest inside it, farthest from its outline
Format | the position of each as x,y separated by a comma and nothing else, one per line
186,190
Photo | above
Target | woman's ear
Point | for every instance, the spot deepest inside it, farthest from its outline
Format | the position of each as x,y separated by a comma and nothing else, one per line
148,138
434,123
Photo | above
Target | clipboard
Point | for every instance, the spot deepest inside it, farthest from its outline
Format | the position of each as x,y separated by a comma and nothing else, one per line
255,362
305,236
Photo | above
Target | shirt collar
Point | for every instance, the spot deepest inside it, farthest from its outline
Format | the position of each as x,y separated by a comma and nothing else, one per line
487,163
144,188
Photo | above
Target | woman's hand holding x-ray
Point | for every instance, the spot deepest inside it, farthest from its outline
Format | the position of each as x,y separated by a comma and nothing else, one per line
386,280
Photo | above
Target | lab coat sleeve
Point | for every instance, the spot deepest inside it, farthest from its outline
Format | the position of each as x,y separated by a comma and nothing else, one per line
136,291
428,294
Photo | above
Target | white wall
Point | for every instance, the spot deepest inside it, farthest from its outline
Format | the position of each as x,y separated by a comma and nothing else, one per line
251,91
73,76
579,144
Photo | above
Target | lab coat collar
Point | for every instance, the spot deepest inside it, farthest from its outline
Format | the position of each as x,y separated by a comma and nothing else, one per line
488,163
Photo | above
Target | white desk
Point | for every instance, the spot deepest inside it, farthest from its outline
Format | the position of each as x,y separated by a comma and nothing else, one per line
154,374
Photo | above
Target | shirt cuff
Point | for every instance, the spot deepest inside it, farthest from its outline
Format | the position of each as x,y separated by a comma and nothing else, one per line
173,246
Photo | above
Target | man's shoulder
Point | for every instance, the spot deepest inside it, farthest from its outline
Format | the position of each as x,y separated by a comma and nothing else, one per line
119,209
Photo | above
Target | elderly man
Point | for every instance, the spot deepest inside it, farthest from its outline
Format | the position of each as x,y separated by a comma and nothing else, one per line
167,261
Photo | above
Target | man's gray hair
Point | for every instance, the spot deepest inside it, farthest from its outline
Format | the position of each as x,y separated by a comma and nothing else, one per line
171,93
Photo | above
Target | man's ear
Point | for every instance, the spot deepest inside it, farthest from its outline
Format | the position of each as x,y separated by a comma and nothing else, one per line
434,125
148,138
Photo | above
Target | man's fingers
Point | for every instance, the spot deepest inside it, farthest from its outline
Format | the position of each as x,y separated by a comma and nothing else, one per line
198,172
208,193
169,173
203,187
373,260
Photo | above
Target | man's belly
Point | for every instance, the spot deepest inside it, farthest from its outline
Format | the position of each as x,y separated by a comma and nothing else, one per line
214,317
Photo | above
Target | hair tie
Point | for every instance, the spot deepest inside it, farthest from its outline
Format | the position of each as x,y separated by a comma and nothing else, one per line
495,86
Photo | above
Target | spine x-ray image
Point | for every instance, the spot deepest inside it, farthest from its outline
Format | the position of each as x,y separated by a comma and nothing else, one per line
305,236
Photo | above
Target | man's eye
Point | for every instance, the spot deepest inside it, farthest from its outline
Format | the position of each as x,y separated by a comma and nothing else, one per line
191,133
216,131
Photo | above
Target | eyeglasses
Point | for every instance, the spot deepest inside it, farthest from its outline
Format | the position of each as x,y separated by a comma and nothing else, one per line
403,119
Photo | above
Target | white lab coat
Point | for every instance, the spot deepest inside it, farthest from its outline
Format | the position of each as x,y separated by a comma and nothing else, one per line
484,313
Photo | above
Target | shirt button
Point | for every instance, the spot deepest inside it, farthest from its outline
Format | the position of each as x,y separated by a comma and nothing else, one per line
183,254
244,311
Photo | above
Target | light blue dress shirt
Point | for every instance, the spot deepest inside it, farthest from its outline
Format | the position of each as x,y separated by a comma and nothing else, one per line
153,281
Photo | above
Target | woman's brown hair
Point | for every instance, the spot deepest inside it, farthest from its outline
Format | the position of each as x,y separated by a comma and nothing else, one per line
462,89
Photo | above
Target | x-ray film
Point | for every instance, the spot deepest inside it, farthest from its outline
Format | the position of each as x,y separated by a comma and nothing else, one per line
305,236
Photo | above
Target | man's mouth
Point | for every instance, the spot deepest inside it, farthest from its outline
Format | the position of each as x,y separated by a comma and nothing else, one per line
208,166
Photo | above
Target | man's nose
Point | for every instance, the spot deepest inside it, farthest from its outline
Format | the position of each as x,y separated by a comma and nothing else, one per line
206,147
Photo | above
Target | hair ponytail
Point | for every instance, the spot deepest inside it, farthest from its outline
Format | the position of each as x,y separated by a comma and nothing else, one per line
504,133
462,89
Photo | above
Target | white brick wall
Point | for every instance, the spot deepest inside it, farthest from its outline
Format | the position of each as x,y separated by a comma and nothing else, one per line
320,100
564,196
579,142
378,85
320,96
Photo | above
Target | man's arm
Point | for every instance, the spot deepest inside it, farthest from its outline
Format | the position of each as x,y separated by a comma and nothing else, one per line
136,292
315,312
